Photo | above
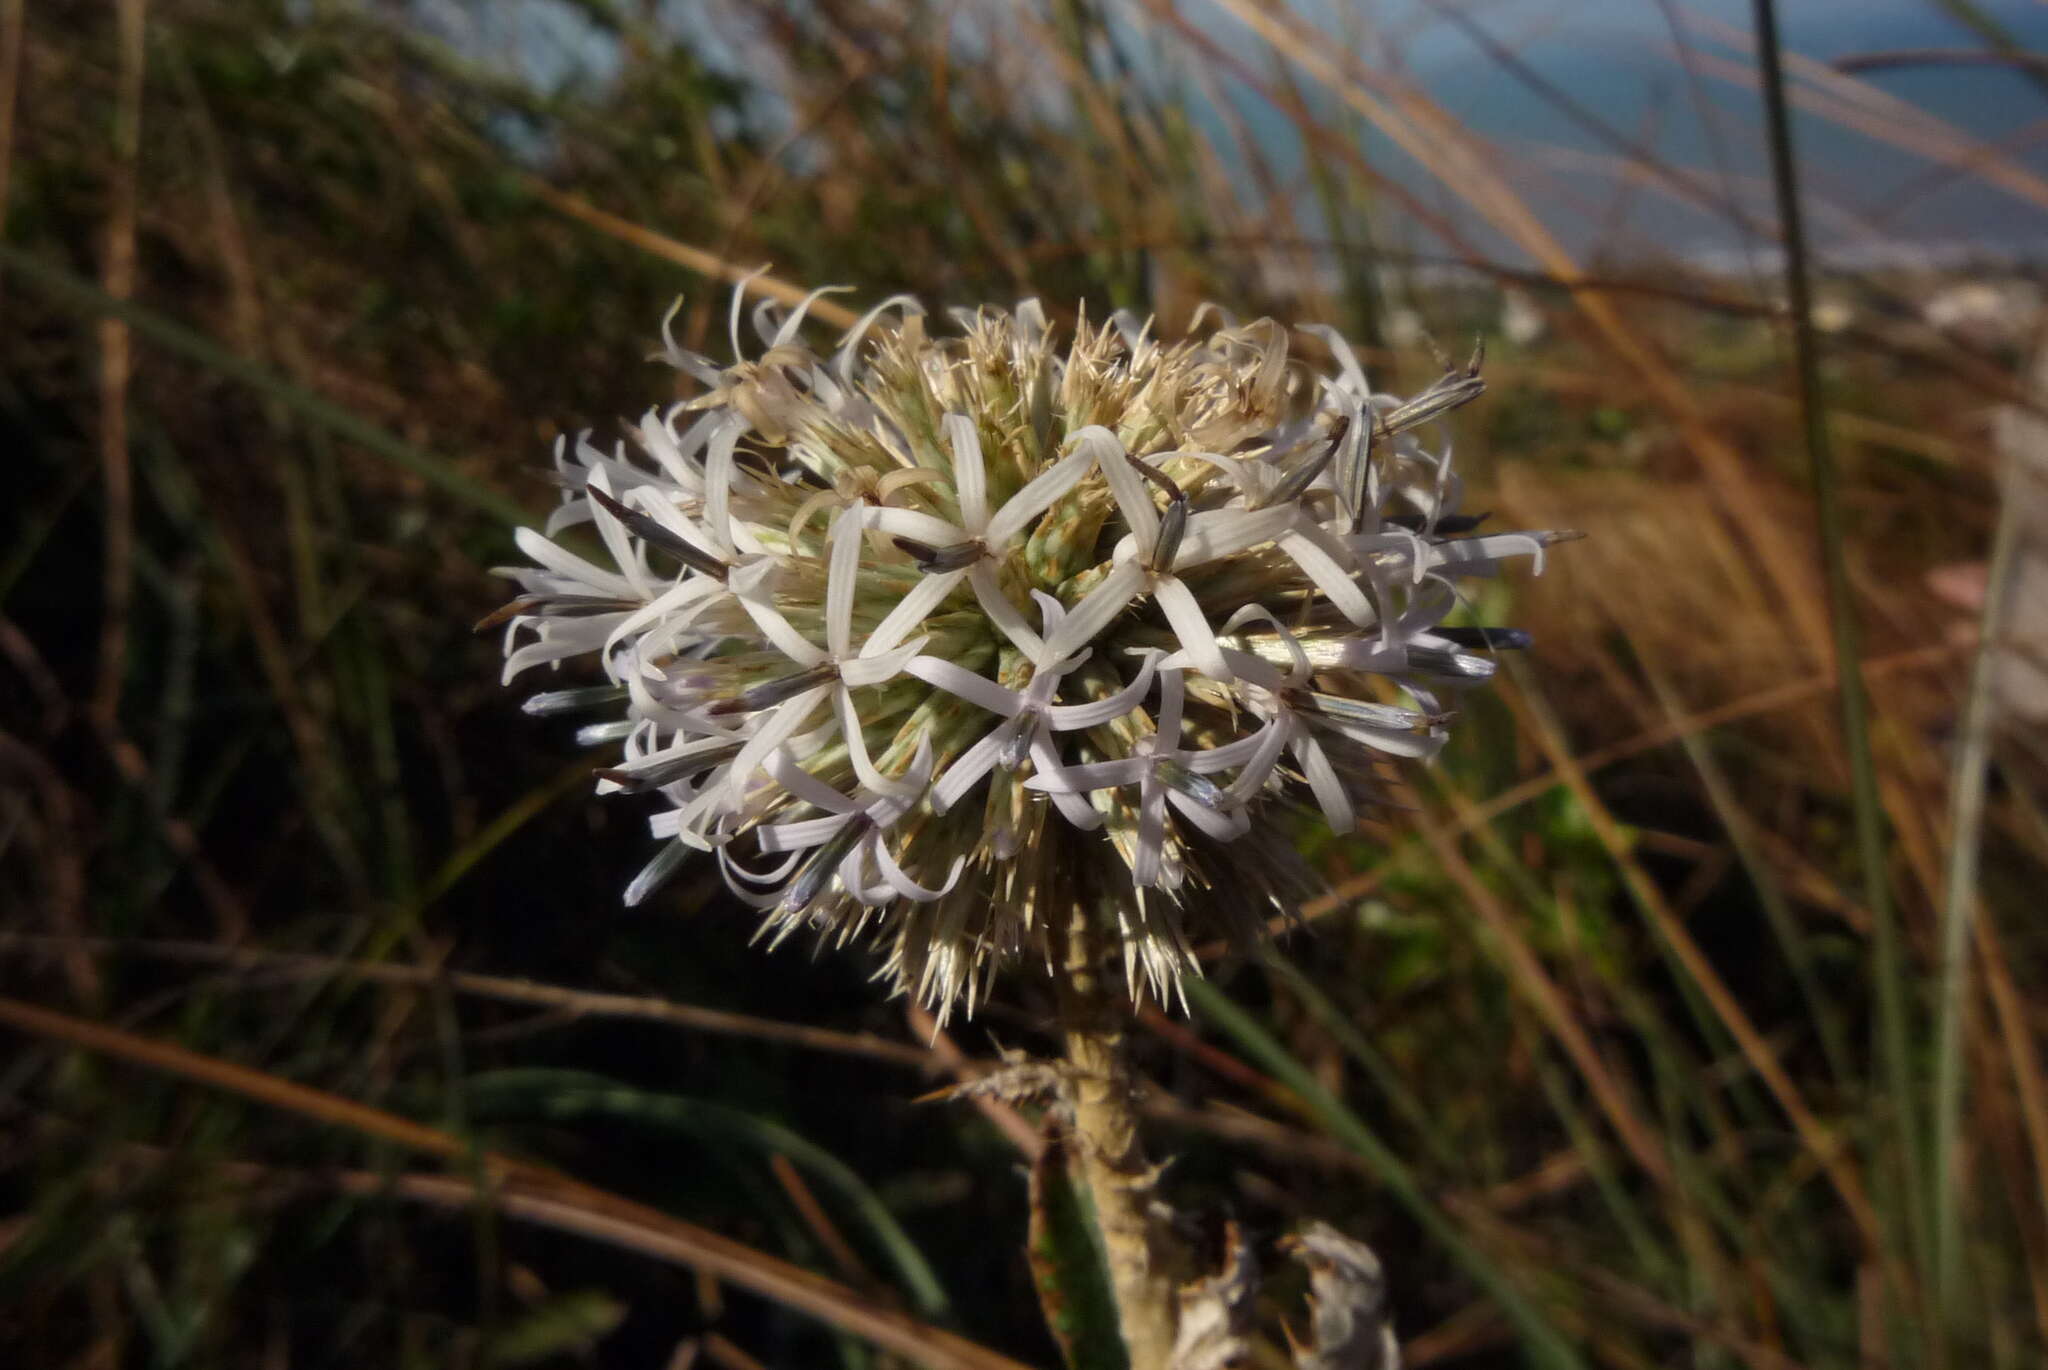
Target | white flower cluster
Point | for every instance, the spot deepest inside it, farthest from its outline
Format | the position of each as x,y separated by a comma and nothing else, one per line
937,637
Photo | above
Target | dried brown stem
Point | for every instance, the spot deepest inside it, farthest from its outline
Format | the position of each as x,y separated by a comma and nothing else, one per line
116,365
577,1003
531,1192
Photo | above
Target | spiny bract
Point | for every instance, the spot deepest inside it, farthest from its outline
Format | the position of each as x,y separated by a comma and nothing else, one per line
945,637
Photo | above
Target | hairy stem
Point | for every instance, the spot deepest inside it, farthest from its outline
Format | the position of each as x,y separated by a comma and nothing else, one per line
1110,1151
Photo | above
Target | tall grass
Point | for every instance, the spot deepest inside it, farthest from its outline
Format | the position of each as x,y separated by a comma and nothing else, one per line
318,986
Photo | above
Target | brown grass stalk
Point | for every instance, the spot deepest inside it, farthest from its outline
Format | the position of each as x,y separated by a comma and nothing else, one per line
117,278
13,17
1426,132
570,1002
524,1189
710,264
1348,891
1828,1148
1525,970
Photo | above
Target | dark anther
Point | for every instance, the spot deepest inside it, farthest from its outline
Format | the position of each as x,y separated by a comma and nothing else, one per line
1193,784
555,606
816,872
657,535
1449,525
1339,709
772,692
1016,746
936,560
1440,661
1487,639
1173,524
1304,475
550,702
656,772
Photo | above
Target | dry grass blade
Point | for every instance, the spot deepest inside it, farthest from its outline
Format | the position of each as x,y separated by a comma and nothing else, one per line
1857,104
1937,143
525,1189
13,16
2030,1080
1429,134
572,1003
86,299
1346,892
695,258
1829,1150
1007,1120
819,1221
1543,993
117,277
2025,440
1894,1025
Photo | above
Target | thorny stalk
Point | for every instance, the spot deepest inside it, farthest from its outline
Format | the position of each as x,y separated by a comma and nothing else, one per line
1103,1087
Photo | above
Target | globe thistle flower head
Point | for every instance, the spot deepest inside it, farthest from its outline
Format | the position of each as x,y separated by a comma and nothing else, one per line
938,638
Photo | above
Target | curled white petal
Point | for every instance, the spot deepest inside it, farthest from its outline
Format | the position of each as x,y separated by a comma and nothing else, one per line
927,595
1070,800
1092,775
771,733
1225,533
908,888
1070,717
885,666
842,572
1184,613
1317,553
784,770
970,477
1258,767
750,586
1039,494
849,346
566,563
1133,496
1003,614
967,770
1476,556
1172,700
905,790
1109,598
1224,825
801,835
909,523
803,307
1323,781
718,473
956,679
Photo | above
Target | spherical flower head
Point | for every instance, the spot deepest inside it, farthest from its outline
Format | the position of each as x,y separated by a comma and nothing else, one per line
939,638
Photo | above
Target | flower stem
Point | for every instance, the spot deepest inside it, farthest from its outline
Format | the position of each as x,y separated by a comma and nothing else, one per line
1111,1153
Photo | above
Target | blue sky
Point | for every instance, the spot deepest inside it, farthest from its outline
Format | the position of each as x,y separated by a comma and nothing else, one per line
1614,56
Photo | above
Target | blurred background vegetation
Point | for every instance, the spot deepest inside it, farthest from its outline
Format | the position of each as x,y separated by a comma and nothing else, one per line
1709,1037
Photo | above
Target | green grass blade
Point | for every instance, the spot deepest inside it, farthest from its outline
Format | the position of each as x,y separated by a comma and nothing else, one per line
1960,885
1770,892
1546,1346
84,298
570,1094
1384,1076
1070,1268
1894,1008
